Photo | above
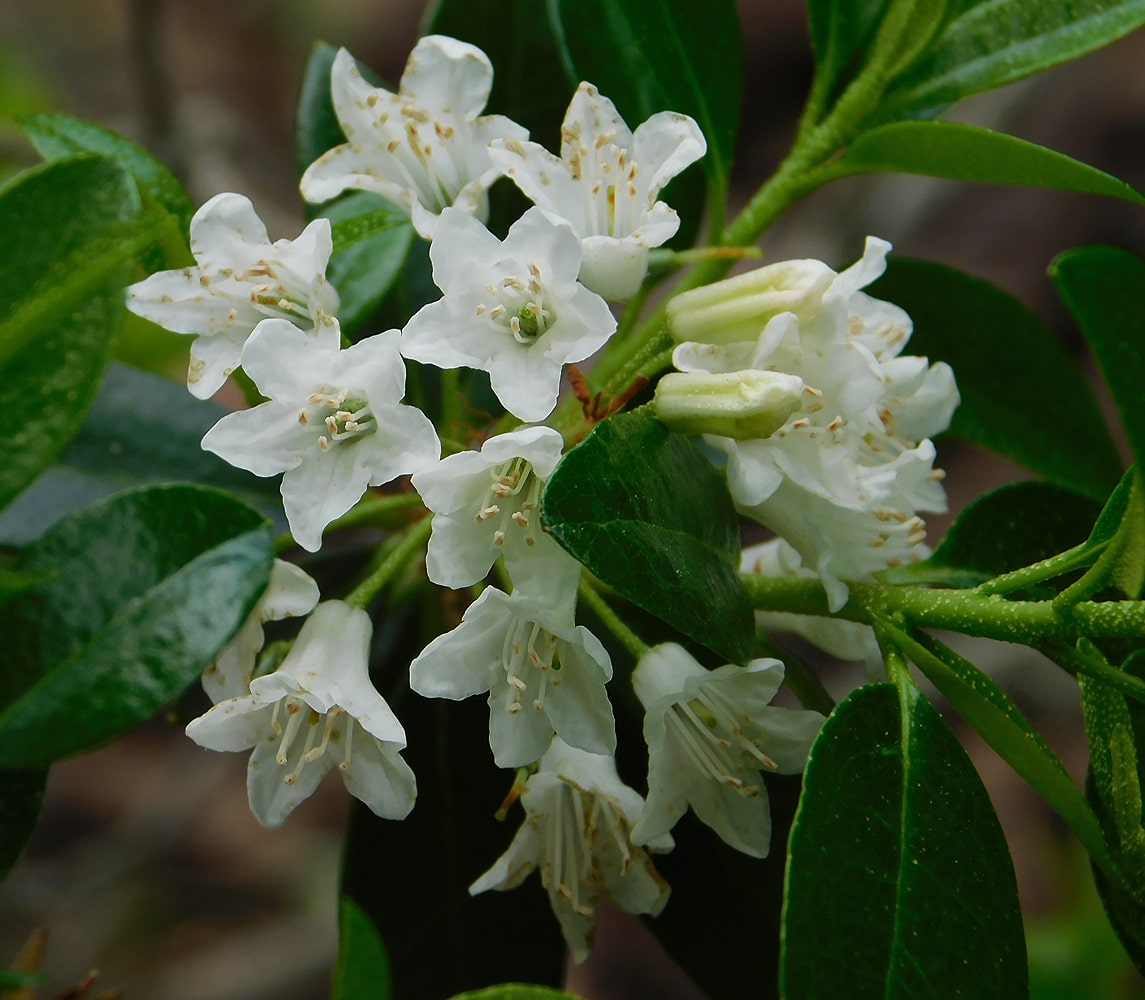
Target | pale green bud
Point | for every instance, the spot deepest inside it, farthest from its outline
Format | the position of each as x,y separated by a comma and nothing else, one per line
743,405
737,309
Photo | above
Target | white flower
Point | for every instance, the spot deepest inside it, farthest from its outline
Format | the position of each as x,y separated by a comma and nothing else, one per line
843,480
485,506
423,148
332,423
606,183
513,309
289,593
316,712
710,734
239,279
543,674
841,639
578,816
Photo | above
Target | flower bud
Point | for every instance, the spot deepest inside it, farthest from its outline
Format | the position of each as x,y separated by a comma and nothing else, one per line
737,309
742,405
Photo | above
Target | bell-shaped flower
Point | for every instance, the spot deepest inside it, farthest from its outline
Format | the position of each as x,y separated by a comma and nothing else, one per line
332,423
710,735
544,674
317,712
514,309
239,279
606,183
576,833
289,593
485,506
423,148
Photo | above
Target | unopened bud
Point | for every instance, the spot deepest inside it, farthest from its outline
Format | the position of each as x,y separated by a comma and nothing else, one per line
743,405
737,309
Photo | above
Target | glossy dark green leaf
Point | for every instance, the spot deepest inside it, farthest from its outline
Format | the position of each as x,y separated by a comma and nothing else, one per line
1012,526
979,700
412,877
111,452
363,967
986,43
71,229
373,242
1022,394
646,512
529,83
56,136
644,56
515,991
147,587
1101,286
899,882
970,153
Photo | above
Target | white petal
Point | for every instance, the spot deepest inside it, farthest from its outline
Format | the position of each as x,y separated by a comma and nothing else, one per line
379,776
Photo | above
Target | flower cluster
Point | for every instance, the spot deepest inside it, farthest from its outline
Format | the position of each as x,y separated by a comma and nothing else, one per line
791,370
845,476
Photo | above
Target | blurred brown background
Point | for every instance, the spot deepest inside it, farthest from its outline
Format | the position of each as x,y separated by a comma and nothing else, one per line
148,864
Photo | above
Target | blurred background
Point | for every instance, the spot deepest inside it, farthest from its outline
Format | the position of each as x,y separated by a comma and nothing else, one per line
148,864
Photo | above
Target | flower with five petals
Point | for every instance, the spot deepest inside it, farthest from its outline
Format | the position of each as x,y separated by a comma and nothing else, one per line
318,711
332,423
239,279
710,734
423,148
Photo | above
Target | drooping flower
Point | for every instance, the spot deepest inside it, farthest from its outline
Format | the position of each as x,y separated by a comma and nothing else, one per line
844,479
514,309
544,675
317,712
239,279
332,423
485,506
289,593
578,820
710,735
606,183
423,148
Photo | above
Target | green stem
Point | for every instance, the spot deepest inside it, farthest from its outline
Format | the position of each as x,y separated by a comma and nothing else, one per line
629,639
966,611
410,543
1026,577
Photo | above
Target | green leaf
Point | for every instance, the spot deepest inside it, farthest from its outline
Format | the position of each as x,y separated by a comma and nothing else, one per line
373,241
56,136
363,968
70,231
646,512
1101,288
529,83
1008,732
148,586
110,453
644,56
970,153
986,43
899,882
1009,527
1022,394
515,991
